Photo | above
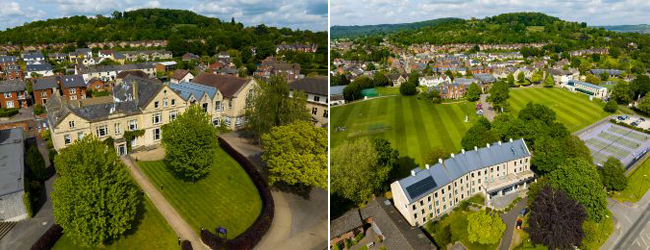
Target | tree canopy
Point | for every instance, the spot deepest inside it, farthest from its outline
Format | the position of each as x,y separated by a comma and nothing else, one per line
556,219
95,200
273,104
613,175
499,94
580,180
478,135
484,228
296,154
473,92
190,143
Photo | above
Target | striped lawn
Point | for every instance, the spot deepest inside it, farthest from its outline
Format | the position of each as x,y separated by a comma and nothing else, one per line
226,197
574,110
150,232
414,127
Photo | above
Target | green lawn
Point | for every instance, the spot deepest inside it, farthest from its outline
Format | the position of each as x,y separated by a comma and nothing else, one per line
457,222
226,197
574,110
151,233
387,91
637,184
412,126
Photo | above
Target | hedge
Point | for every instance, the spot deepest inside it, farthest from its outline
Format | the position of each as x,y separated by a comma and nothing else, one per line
27,200
186,245
8,112
49,238
249,238
629,126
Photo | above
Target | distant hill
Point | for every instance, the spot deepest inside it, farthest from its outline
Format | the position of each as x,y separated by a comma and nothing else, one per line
638,28
364,30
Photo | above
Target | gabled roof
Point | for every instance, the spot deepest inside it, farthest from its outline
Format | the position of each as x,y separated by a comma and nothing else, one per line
313,85
72,81
422,182
179,74
12,166
12,86
187,89
39,67
6,59
227,85
45,83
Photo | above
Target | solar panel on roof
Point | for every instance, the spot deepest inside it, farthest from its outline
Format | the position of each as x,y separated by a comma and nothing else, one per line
421,187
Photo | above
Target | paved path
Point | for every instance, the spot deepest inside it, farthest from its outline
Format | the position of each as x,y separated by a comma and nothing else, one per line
488,112
299,222
631,224
180,226
510,219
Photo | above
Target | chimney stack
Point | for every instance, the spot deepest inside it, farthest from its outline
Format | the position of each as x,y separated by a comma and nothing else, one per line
440,160
488,145
426,166
475,148
413,172
463,150
499,142
135,90
452,155
510,139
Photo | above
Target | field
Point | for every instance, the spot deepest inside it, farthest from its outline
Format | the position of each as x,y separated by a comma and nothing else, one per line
574,110
152,232
226,197
412,126
638,184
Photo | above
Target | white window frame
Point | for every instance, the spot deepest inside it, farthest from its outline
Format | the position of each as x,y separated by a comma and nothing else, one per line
99,128
67,139
118,129
72,91
10,104
8,95
133,125
154,116
156,136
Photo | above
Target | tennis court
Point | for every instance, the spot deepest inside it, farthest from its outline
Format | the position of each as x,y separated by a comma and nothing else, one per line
610,140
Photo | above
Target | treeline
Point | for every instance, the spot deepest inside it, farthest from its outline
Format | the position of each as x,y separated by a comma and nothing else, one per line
155,24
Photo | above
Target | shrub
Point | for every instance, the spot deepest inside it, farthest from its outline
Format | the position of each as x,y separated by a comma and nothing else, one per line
336,247
186,245
358,237
442,235
4,112
28,204
49,238
38,109
611,106
408,88
36,164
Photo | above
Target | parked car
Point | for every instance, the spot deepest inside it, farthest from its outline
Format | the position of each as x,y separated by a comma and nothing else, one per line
519,222
525,211
641,119
634,124
370,244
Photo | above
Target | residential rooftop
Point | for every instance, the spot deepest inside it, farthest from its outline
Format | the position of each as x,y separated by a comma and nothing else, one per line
12,151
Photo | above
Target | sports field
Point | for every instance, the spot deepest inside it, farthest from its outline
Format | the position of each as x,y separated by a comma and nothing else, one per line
412,126
574,110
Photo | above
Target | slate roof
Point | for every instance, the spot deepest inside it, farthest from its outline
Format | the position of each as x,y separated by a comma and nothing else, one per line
72,81
138,73
485,78
345,223
39,67
45,83
574,82
337,90
12,86
179,74
187,89
7,59
614,72
227,85
313,85
459,165
34,56
108,68
12,151
398,233
124,101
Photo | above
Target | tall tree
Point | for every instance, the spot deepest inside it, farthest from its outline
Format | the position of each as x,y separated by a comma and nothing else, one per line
380,80
556,219
613,175
94,198
580,180
296,154
621,93
484,228
271,105
355,174
190,143
499,94
473,92
478,135
521,77
611,106
511,80
548,82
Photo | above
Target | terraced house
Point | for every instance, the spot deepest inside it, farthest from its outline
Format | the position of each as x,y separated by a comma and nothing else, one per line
137,104
316,90
236,94
494,170
13,94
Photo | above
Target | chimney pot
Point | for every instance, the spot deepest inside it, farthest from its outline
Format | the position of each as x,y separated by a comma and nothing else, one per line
463,150
413,172
488,145
440,160
510,139
452,155
499,142
475,148
427,166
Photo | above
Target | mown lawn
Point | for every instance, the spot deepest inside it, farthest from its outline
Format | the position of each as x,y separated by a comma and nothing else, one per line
638,184
226,197
387,91
574,110
152,232
412,126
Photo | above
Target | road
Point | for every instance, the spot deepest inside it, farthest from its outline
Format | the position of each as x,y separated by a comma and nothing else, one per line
510,219
638,237
488,112
631,224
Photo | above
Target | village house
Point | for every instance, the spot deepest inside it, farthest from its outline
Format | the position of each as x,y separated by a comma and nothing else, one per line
396,79
13,72
44,69
237,93
97,85
207,97
59,57
165,66
34,58
181,75
297,47
7,61
44,88
189,57
73,87
315,88
137,104
13,94
109,72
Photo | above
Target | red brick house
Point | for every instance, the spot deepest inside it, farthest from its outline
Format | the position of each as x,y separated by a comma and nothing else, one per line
13,94
73,87
97,85
44,88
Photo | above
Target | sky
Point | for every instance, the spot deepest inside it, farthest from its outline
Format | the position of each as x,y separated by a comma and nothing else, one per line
594,12
295,14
